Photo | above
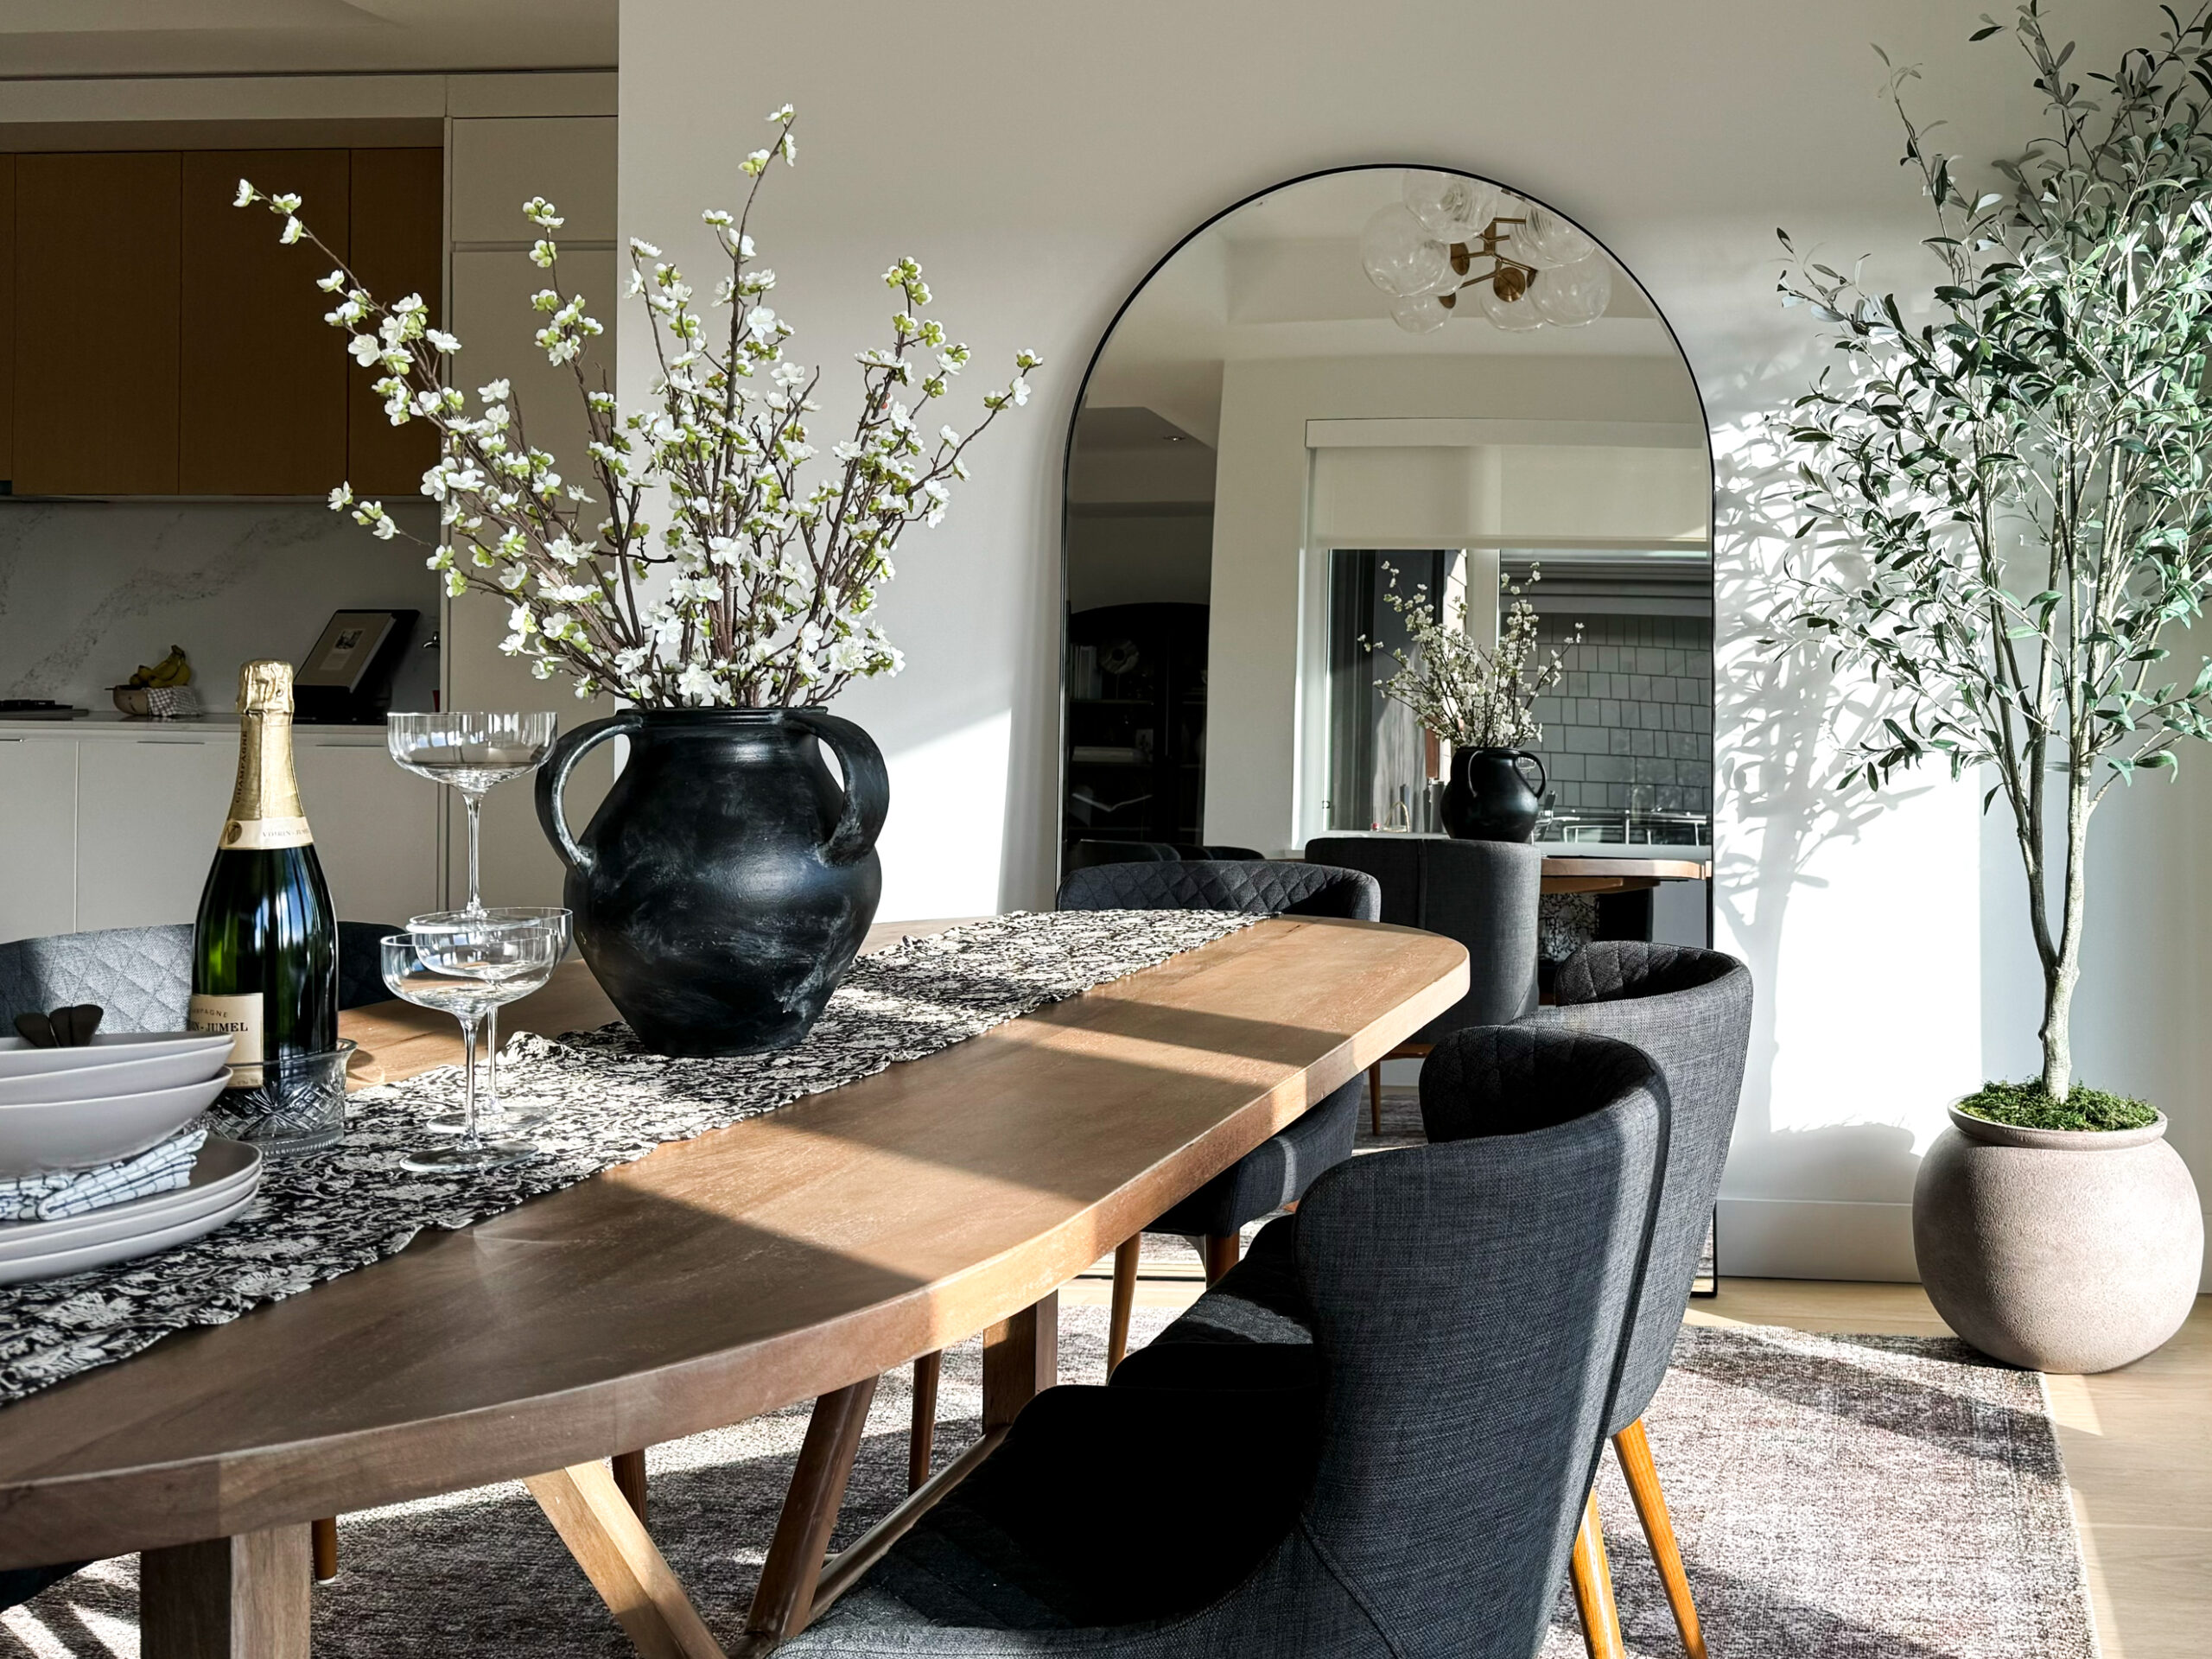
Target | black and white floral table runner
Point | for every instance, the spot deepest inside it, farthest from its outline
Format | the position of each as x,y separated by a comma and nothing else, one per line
605,1102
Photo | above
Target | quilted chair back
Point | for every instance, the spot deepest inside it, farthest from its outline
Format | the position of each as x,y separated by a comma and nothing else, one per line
1690,1010
1257,887
143,975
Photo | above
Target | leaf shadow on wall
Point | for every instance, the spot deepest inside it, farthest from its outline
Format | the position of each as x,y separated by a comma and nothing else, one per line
1784,721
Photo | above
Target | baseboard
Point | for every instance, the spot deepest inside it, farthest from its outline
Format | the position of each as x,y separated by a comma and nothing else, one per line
1815,1238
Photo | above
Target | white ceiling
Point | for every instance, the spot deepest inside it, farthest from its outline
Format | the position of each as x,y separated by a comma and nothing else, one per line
1280,278
43,38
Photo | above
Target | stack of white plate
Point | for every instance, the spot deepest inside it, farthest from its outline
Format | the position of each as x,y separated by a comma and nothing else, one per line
73,1108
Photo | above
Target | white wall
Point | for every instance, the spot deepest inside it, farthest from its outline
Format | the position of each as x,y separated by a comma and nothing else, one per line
1039,162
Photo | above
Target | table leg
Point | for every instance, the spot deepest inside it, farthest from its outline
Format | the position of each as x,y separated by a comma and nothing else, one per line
784,1600
618,1556
242,1598
1021,1359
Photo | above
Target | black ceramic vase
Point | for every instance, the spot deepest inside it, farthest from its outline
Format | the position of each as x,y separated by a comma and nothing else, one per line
1489,798
724,886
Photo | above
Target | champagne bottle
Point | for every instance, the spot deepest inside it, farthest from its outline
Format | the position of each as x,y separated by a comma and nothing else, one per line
265,950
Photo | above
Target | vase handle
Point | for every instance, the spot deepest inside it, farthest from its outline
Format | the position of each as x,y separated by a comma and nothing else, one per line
553,778
1543,777
867,784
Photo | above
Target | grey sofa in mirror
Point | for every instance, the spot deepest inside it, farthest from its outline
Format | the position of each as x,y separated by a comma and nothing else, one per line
1370,381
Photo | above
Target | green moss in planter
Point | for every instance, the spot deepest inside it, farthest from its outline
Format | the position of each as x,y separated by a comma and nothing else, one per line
2025,1106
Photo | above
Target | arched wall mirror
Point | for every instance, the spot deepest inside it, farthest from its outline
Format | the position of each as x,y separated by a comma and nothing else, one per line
1371,378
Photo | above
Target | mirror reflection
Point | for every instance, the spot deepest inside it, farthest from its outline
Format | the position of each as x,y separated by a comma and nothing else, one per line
1373,383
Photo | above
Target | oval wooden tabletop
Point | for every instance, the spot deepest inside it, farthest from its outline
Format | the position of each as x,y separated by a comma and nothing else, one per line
718,1278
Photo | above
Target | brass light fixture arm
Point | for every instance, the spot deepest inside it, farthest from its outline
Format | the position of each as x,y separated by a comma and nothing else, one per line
1508,278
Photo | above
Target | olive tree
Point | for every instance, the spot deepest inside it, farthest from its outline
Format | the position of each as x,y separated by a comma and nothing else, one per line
2005,492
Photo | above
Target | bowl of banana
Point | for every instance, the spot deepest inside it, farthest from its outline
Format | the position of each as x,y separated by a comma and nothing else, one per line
161,692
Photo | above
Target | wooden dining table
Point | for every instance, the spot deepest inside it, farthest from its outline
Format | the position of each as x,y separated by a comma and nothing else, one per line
798,1254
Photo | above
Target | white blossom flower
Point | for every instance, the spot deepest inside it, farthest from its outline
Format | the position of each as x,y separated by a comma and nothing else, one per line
247,194
292,232
722,561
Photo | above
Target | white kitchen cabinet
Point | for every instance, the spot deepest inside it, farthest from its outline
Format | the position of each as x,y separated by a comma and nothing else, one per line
149,810
117,827
38,836
375,827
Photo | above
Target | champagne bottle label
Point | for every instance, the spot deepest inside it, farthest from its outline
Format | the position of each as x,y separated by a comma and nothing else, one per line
265,813
241,1017
261,835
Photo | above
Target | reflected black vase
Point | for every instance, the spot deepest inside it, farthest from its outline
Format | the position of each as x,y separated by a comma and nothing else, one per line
724,886
1489,798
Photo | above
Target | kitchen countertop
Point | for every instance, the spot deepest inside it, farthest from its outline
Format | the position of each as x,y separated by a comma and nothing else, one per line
105,722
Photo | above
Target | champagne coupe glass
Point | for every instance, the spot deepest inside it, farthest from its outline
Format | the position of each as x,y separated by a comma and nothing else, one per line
468,972
473,754
490,1114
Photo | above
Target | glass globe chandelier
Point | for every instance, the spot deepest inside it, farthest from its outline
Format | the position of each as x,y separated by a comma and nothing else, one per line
1421,250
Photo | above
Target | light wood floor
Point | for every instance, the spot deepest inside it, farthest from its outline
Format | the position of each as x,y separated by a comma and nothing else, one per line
2137,1444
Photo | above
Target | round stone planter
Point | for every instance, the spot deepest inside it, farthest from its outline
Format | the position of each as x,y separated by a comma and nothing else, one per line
2066,1250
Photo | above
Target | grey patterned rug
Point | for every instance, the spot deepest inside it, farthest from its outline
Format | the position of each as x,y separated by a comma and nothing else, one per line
1837,1497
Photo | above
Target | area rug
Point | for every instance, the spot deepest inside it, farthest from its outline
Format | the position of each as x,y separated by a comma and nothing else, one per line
1837,1497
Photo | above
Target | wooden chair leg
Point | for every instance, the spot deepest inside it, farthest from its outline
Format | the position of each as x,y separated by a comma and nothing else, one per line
921,1439
1222,1250
1594,1588
1375,1096
630,1479
1634,1450
325,1535
1125,1298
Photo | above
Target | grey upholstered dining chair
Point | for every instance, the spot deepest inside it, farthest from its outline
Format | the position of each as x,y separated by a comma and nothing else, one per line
1690,1010
143,975
1276,1172
1414,1492
1484,894
1082,855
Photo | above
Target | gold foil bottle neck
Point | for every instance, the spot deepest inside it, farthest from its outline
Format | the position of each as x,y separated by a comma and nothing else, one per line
265,687
265,812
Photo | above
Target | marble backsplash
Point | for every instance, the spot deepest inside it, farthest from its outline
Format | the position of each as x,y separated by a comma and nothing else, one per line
90,589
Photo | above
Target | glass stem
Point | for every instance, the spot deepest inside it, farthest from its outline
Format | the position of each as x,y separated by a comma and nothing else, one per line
491,1064
475,801
468,1136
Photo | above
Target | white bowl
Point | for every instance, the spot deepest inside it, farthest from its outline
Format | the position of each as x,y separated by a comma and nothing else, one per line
37,1140
19,1059
163,1069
